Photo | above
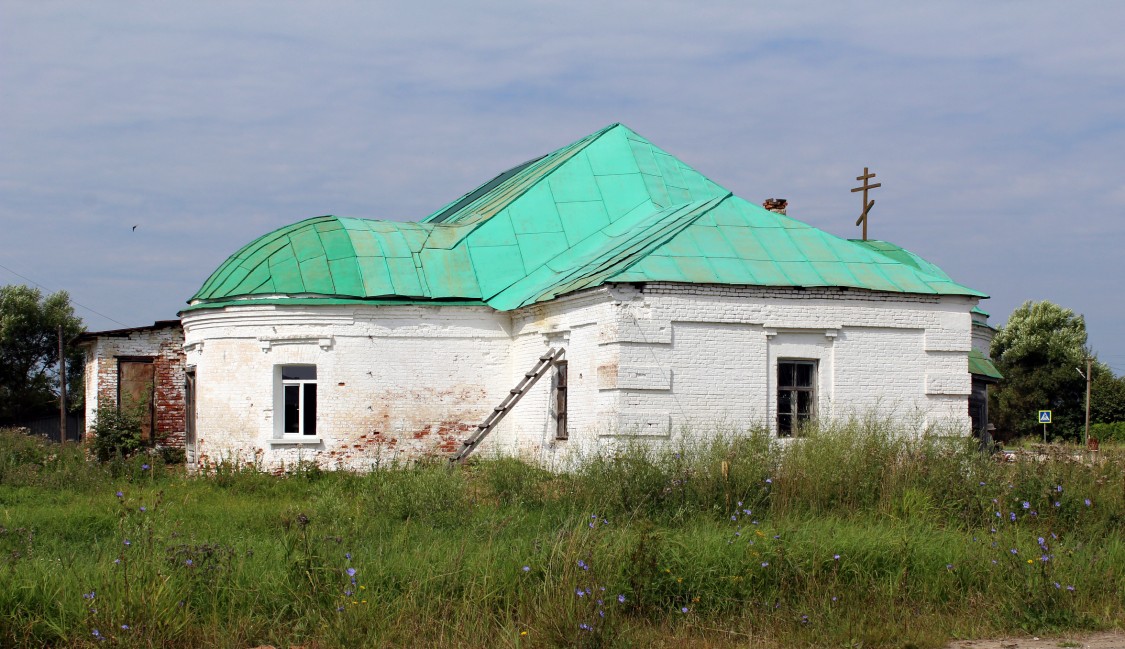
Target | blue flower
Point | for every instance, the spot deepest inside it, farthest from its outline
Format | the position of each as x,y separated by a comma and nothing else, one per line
119,495
1013,517
145,467
1026,505
620,599
89,595
949,566
684,609
765,564
351,572
769,481
124,627
1014,551
1058,488
1045,558
580,592
143,509
1087,501
584,626
527,568
582,565
1070,588
1057,585
188,562
835,557
127,543
348,556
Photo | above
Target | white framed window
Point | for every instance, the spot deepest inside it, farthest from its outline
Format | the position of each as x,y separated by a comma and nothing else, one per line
297,401
796,395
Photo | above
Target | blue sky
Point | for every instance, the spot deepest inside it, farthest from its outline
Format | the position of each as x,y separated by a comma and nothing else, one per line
997,129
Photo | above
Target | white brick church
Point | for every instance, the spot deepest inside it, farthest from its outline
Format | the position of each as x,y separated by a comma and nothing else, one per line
669,304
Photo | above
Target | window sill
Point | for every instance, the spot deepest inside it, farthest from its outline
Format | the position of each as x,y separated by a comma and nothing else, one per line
295,441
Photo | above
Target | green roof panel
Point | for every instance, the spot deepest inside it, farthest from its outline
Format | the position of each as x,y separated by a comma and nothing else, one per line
608,207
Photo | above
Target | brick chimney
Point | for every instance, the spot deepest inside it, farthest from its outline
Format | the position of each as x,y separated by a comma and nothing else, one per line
776,205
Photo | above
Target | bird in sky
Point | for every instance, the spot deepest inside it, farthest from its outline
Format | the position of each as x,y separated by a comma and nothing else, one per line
134,228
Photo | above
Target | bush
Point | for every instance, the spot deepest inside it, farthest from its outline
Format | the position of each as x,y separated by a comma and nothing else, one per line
1112,432
117,434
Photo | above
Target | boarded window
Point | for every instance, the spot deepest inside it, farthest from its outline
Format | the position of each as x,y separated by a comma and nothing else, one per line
560,400
135,387
796,396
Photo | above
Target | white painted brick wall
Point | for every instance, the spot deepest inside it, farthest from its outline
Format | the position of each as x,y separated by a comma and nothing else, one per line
399,382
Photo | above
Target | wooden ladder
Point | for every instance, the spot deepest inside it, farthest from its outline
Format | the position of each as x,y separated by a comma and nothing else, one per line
545,362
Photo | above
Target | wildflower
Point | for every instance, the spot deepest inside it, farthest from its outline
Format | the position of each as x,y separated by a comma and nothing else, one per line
835,557
591,526
739,504
1014,551
527,568
1034,513
982,483
116,561
1042,541
119,495
833,598
600,602
188,562
1070,588
992,530
1030,561
349,593
1058,504
1054,536
1045,558
97,635
584,626
734,518
601,613
351,572
582,565
523,633
1013,517
128,543
1058,488
1026,505
765,564
949,566
769,481
994,562
684,609
620,599
339,608
804,619
1057,585
348,556
998,515
1087,501
124,627
145,467
580,592
89,595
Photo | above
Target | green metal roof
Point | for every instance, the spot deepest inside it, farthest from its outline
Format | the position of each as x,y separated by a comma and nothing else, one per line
982,366
609,207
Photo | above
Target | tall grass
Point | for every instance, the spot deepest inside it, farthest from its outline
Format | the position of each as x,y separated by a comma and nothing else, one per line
857,535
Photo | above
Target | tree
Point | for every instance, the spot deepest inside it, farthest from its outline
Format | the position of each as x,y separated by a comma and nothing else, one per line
1038,351
1107,396
29,351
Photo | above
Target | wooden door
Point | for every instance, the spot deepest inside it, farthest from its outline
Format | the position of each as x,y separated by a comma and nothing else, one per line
135,387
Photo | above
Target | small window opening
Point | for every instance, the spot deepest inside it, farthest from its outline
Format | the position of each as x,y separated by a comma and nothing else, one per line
561,432
298,385
796,396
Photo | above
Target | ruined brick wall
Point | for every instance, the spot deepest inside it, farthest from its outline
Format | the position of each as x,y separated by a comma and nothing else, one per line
165,346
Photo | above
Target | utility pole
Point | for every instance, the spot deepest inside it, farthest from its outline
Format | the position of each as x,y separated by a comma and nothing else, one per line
1089,376
62,389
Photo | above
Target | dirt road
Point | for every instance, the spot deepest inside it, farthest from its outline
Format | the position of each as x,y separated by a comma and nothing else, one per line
1110,640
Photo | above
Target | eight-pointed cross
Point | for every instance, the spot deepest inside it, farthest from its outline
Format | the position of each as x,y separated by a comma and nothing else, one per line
866,204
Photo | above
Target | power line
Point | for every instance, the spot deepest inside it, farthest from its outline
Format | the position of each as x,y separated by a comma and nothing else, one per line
71,301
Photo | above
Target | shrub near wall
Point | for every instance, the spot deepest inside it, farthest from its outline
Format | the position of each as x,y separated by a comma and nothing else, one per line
1113,432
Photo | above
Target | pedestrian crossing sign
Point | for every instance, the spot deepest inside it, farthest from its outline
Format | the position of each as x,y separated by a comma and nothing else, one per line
1044,416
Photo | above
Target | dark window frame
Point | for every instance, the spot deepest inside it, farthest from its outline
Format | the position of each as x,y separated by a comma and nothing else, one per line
796,383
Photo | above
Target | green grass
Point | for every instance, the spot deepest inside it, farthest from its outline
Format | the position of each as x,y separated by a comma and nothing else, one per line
858,536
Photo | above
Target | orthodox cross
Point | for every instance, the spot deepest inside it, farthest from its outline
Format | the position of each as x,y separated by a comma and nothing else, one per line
867,205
